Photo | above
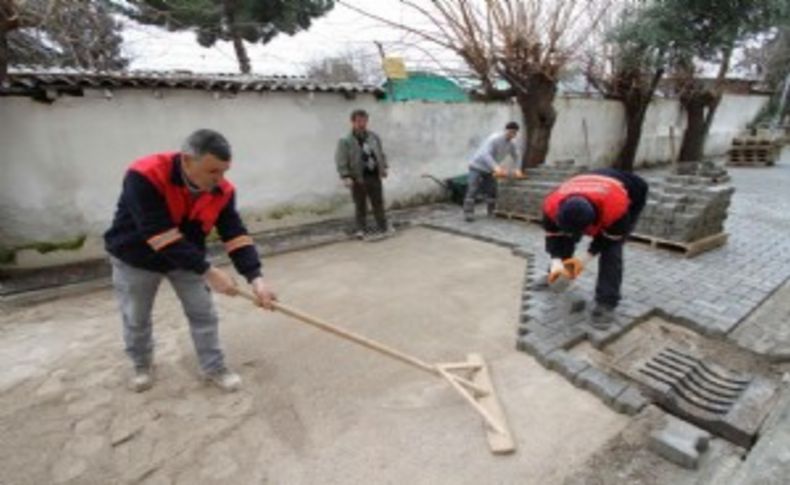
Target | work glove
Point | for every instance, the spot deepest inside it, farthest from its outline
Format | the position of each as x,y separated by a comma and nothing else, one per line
575,265
557,270
499,172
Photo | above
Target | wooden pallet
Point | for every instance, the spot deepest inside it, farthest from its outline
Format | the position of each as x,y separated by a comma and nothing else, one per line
744,163
688,249
752,156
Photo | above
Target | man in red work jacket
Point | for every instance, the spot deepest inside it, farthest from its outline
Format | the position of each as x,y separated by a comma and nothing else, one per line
169,204
605,205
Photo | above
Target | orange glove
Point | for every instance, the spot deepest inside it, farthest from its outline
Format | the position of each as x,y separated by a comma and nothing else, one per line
558,270
499,172
575,265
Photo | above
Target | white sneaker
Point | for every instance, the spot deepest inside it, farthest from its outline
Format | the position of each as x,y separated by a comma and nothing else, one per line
142,380
225,380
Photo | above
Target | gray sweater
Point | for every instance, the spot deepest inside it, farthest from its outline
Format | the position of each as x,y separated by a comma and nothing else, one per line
493,150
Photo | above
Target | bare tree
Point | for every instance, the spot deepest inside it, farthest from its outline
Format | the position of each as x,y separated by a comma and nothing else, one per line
76,33
356,66
524,42
12,17
624,65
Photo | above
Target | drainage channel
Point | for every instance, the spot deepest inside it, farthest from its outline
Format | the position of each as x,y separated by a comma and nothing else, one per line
711,383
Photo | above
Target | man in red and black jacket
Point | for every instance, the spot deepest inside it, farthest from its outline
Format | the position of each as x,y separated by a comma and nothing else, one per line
604,204
168,205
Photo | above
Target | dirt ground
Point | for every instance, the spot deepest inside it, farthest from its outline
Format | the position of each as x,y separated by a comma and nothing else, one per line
314,409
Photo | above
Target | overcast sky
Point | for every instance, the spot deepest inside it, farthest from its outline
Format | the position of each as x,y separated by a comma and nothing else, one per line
341,30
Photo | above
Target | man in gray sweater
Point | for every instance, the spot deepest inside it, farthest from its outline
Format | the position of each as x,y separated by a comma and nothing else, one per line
485,165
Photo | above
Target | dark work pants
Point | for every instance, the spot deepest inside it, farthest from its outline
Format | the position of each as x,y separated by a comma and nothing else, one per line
610,275
610,266
370,187
480,183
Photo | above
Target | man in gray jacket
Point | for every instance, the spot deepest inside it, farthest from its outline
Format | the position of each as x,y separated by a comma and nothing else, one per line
361,164
485,165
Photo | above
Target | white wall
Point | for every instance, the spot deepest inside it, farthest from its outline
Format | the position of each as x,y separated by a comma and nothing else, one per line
63,162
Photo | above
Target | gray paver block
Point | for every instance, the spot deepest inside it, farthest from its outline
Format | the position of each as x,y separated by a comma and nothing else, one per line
630,401
679,442
566,364
603,385
521,252
535,345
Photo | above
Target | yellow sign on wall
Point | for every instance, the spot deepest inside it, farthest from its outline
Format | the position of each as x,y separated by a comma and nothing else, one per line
394,68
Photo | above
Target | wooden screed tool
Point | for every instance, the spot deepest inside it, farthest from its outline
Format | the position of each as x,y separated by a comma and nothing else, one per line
470,378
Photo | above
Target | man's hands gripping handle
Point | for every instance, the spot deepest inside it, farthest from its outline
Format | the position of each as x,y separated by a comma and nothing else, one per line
222,282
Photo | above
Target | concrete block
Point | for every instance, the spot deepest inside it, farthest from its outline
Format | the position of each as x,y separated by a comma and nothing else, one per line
679,442
603,385
535,345
566,364
630,401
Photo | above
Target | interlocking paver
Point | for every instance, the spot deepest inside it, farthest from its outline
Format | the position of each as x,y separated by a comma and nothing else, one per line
711,293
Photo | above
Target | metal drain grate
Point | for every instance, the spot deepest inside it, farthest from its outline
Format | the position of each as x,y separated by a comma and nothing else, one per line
728,403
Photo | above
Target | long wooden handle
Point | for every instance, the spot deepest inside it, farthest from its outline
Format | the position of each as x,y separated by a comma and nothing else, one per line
359,339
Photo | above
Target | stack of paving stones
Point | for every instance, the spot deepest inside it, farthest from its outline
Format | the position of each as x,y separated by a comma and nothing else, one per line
688,205
524,197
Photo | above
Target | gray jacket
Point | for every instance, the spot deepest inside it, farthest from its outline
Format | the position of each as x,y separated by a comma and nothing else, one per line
493,150
348,156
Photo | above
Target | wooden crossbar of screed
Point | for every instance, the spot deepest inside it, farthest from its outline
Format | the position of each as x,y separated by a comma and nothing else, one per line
475,393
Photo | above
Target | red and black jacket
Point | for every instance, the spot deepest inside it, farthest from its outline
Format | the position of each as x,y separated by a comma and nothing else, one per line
160,225
618,198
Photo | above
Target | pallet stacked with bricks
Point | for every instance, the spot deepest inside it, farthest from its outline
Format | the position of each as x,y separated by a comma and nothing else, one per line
685,208
761,149
523,198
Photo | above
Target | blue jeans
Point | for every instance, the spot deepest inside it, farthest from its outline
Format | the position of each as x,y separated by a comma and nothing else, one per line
136,290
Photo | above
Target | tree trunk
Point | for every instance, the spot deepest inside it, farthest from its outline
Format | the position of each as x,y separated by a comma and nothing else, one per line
699,121
241,54
539,115
635,102
635,110
238,42
9,20
694,103
3,53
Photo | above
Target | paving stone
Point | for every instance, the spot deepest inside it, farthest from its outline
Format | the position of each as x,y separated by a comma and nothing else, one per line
630,401
603,385
536,345
729,281
679,442
566,364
